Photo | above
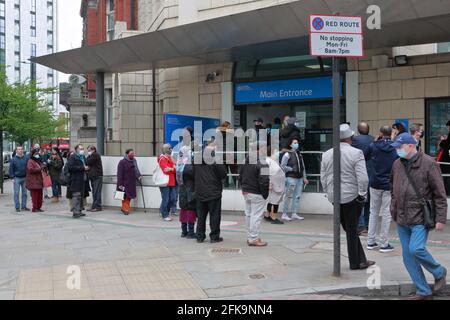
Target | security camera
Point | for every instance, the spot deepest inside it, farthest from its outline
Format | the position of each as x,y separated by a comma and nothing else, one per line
212,75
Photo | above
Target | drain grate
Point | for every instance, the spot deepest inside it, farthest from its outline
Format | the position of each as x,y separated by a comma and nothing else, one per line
226,251
256,276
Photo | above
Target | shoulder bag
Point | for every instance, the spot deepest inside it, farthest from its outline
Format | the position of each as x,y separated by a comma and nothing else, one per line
428,206
160,179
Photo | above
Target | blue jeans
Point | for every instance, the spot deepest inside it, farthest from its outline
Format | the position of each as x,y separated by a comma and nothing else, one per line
168,201
55,188
19,183
293,192
415,256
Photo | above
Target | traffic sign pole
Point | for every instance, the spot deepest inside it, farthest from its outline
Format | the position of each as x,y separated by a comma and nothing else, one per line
336,168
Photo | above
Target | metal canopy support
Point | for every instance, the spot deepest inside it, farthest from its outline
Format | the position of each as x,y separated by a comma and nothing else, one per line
100,112
154,106
336,167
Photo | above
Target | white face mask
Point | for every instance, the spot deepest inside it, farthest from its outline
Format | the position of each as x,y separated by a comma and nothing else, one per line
81,152
90,153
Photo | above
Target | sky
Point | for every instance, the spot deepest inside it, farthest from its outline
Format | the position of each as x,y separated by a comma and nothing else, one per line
70,27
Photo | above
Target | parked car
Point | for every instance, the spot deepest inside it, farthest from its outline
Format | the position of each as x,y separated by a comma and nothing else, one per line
6,160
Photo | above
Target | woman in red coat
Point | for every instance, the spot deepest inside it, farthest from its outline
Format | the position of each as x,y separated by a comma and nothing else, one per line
168,193
34,180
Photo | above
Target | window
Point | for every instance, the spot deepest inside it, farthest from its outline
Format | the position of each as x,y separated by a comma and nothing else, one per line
2,9
50,24
33,5
2,57
33,25
17,29
49,80
33,71
33,50
17,74
110,20
49,9
2,25
49,38
17,60
108,104
17,13
49,49
2,41
16,44
437,115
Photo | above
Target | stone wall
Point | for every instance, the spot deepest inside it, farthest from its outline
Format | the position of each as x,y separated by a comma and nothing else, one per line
393,92
77,133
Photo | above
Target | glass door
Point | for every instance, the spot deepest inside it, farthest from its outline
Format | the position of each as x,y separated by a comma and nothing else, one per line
437,115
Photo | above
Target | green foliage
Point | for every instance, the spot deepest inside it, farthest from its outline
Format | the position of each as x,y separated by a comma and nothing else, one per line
24,113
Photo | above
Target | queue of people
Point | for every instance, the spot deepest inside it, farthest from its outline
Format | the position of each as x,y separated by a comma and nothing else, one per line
388,176
406,186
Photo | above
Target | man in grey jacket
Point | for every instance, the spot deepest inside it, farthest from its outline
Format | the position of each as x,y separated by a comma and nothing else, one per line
354,183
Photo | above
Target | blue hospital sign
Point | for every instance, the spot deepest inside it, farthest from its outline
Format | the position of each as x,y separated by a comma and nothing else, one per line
284,90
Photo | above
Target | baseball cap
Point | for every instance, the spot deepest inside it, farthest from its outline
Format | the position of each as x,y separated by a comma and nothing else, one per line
403,138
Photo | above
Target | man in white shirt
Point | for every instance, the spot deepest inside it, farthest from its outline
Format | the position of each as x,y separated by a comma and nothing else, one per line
354,184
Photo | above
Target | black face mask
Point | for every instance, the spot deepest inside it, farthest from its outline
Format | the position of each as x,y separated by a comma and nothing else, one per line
422,135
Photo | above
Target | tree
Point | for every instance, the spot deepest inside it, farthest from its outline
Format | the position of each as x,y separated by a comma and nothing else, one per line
24,113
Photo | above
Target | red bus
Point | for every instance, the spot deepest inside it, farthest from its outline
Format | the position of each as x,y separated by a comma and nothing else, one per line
63,144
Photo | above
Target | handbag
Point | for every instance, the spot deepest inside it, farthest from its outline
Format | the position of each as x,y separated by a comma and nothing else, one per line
428,206
119,195
160,179
47,180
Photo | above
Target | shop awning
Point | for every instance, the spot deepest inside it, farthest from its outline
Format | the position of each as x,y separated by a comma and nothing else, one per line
280,30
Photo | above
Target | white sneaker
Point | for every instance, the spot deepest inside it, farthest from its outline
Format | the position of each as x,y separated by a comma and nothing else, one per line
284,216
297,217
168,219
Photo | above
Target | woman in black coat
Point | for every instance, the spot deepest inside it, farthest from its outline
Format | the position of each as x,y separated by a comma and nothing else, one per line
289,133
186,193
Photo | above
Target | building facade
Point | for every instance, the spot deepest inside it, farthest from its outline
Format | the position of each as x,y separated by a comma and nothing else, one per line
28,28
376,88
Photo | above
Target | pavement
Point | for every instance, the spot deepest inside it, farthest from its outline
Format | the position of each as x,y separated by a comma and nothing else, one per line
107,255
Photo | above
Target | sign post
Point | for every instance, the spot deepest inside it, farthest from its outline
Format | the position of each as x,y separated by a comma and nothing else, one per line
336,36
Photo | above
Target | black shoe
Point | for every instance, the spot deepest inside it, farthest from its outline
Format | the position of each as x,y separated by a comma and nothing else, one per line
216,240
17,210
191,236
40,210
82,214
366,264
200,240
77,215
269,219
25,209
47,197
276,221
183,235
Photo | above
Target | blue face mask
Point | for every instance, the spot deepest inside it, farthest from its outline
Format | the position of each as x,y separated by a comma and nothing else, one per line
402,153
295,146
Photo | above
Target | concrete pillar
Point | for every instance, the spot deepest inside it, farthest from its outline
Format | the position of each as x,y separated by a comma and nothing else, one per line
100,112
352,98
227,101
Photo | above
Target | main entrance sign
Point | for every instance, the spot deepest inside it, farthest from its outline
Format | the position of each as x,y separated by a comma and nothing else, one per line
336,36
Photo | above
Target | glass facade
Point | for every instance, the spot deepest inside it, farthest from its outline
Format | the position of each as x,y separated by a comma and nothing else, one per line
110,19
437,115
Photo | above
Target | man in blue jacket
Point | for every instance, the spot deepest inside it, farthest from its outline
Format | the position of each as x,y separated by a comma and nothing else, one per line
363,142
382,155
17,172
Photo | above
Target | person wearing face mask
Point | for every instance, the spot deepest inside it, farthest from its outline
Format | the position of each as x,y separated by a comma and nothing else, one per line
127,175
418,133
34,180
415,172
289,132
168,193
79,182
276,188
55,165
294,167
95,174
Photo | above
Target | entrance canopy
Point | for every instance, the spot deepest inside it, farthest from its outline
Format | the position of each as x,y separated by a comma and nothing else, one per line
280,30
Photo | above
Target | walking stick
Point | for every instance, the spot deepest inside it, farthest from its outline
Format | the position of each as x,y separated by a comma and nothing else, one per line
143,198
